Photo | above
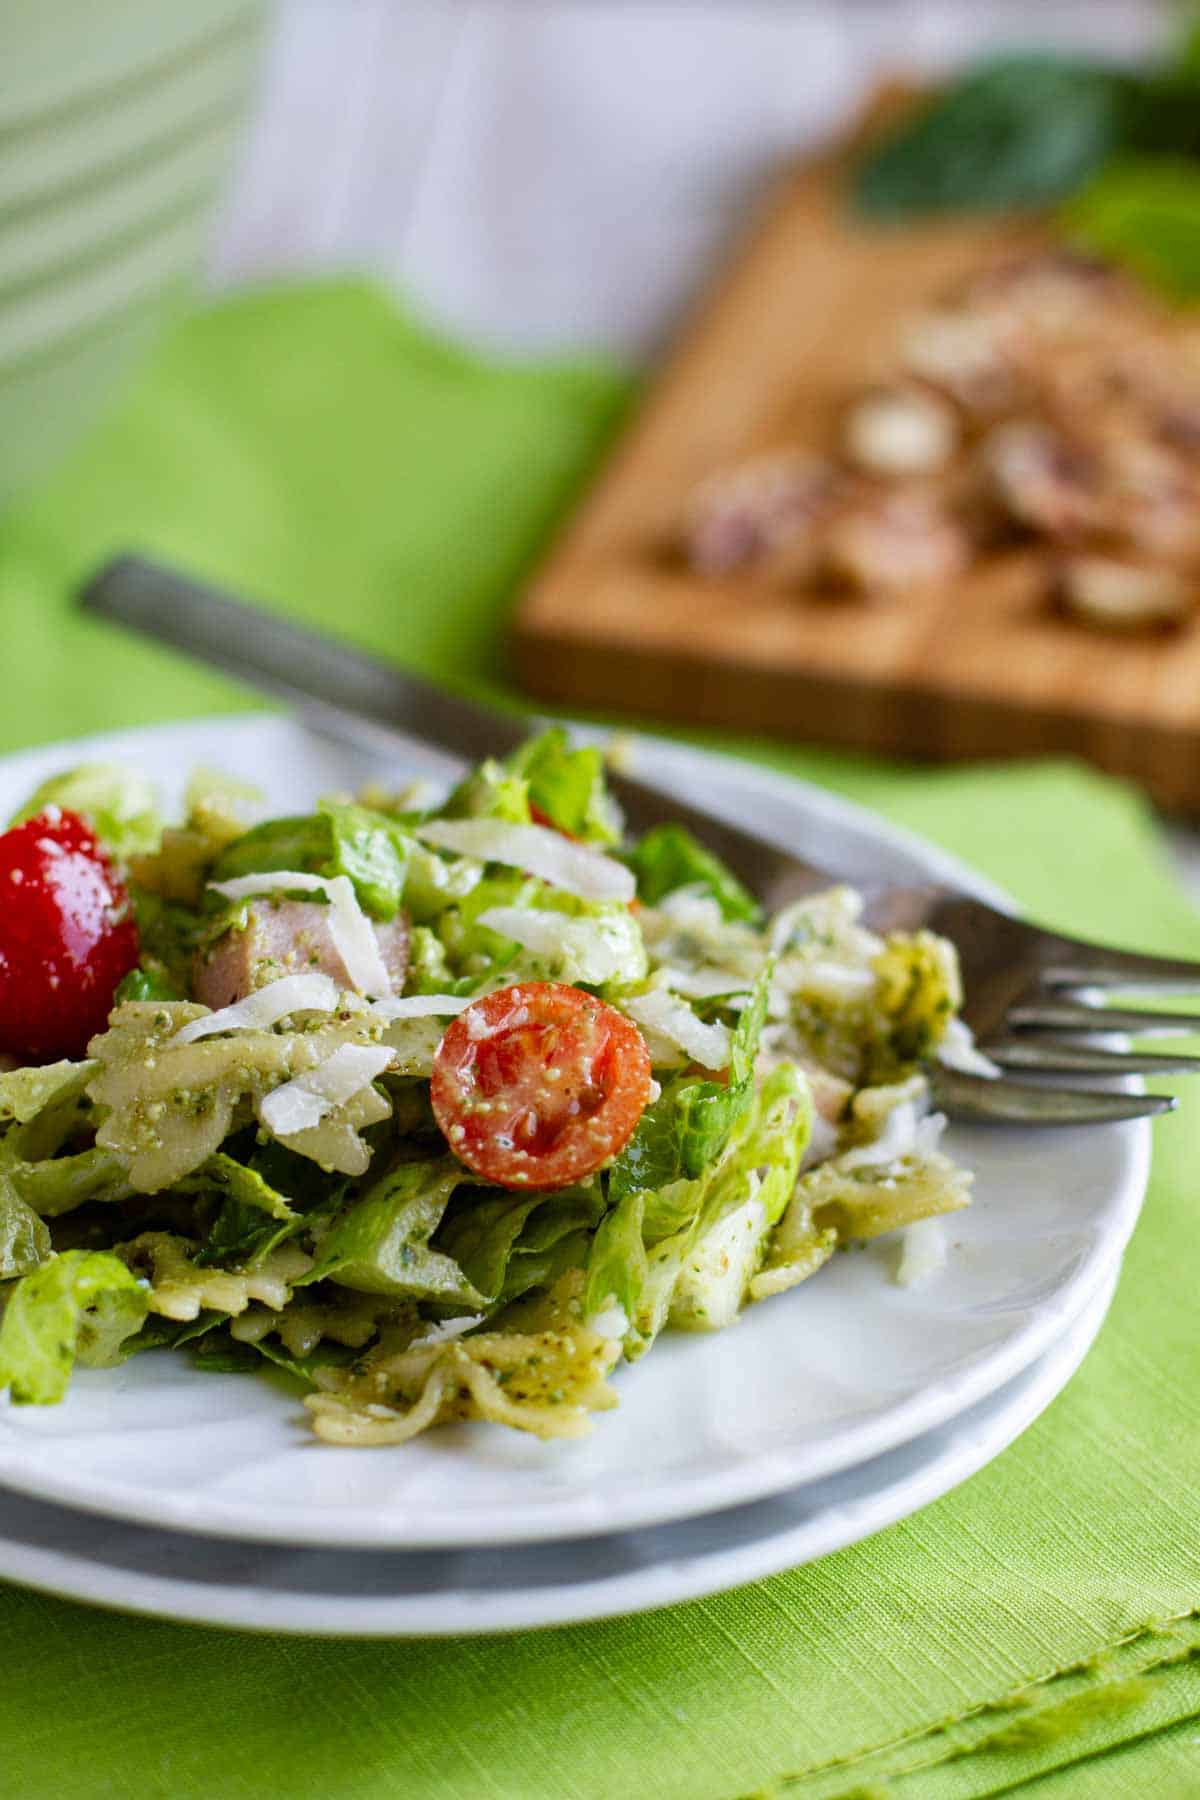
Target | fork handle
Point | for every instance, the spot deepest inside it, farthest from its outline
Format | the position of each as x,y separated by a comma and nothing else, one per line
329,680
363,700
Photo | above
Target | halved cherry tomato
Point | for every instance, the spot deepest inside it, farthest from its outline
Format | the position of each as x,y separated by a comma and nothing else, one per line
537,1085
66,936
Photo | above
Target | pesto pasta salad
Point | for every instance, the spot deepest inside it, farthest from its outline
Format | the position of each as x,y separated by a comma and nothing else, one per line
444,1109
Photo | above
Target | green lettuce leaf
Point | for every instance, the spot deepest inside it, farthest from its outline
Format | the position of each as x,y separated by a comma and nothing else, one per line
568,786
669,857
617,1265
117,803
480,1233
253,1217
684,1132
45,1105
338,839
743,1204
151,983
59,1184
215,1352
380,1243
489,792
24,1093
506,1243
373,851
83,1304
436,881
24,1239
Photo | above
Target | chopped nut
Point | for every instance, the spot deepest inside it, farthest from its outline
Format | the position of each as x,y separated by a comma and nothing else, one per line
737,517
902,430
894,540
1042,480
1124,596
963,354
1049,291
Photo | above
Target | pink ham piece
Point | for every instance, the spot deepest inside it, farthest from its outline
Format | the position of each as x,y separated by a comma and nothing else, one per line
286,937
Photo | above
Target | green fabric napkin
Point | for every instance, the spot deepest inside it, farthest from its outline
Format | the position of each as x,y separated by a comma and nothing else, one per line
1036,1630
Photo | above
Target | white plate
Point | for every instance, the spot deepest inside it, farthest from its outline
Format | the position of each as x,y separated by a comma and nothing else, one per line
374,1593
840,1370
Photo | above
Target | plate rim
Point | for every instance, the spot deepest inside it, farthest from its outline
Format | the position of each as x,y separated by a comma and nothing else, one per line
669,1580
673,1498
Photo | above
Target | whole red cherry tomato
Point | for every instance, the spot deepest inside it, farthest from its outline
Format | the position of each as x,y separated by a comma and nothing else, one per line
67,937
539,1084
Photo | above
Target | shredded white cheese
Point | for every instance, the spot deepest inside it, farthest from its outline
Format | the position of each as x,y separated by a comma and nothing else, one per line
263,1008
352,932
700,984
923,1250
906,1132
304,1102
670,1017
549,855
586,944
421,1006
958,1050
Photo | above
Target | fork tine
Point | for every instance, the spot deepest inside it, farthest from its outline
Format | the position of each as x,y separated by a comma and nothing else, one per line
980,1099
1078,1015
1074,963
1050,1056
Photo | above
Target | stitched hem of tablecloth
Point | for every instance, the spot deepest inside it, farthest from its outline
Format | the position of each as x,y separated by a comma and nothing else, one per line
1113,1683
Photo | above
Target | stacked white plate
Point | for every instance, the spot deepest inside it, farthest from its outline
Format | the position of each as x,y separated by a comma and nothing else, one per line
820,1417
116,129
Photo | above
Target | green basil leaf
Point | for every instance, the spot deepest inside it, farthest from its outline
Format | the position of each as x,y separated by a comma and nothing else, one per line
1013,132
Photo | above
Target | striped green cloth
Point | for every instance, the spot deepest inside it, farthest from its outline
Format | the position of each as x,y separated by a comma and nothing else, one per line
1035,1631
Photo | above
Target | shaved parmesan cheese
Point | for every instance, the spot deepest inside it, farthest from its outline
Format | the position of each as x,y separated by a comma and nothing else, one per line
672,1018
352,932
906,1132
701,984
547,854
958,1050
421,1006
304,1102
265,1007
923,1248
586,945
271,881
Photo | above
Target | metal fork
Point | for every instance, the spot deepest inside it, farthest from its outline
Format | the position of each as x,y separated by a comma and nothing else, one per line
1031,995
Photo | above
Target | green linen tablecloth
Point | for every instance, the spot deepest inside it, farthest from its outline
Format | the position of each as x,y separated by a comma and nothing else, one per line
1037,1630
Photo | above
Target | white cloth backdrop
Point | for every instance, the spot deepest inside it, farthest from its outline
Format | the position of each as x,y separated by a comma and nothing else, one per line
559,174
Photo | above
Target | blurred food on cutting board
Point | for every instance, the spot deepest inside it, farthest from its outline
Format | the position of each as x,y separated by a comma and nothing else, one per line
933,441
1049,399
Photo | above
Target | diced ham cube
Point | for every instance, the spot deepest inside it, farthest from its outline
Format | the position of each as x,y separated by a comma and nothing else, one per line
286,937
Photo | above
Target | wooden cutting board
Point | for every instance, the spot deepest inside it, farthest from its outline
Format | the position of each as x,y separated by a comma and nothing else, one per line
978,667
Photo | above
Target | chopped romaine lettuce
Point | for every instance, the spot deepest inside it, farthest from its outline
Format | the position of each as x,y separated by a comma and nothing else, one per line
567,786
617,1268
147,984
24,1238
338,839
24,1093
82,1304
684,1132
669,858
380,1243
489,792
373,851
745,1201
117,803
59,1184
